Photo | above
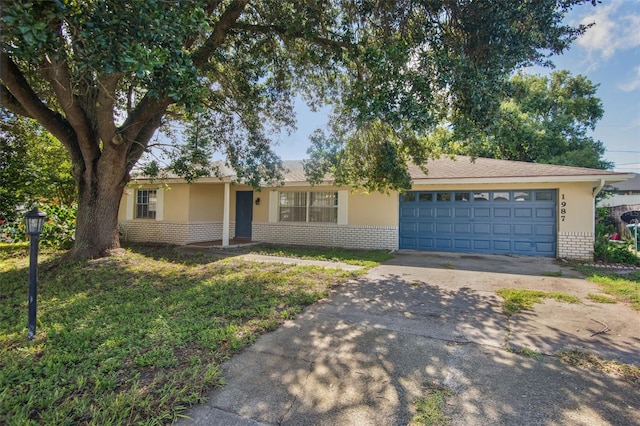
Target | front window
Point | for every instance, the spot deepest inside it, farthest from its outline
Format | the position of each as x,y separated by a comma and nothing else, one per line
146,204
308,207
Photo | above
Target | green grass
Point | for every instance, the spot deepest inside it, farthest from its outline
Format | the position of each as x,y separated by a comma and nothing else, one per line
516,300
430,408
624,288
366,258
529,353
135,339
587,360
599,298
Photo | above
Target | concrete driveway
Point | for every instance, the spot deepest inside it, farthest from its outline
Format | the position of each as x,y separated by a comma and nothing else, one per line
364,355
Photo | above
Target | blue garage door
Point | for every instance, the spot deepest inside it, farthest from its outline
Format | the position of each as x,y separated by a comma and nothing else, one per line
501,222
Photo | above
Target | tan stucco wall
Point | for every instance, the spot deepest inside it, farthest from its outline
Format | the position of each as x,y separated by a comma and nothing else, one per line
176,202
206,202
373,209
261,212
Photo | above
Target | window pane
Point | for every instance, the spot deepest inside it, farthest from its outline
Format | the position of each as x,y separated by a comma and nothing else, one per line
409,196
522,196
323,214
462,196
544,196
443,196
425,196
146,203
481,196
324,199
501,196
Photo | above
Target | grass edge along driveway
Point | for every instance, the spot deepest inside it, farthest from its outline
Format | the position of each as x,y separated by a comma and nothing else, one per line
136,338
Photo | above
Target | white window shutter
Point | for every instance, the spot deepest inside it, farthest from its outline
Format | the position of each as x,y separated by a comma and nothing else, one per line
159,204
273,206
343,207
131,196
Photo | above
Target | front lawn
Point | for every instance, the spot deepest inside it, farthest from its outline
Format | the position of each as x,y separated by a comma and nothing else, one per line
624,288
366,258
135,338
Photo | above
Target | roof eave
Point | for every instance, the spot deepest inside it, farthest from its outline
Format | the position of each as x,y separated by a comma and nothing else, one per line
522,179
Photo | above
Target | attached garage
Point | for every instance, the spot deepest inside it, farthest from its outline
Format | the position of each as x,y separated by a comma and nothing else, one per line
519,222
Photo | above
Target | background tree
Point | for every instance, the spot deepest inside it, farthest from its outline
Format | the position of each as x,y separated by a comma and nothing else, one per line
33,165
103,75
542,120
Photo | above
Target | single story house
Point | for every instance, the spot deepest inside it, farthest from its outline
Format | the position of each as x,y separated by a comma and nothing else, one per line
481,206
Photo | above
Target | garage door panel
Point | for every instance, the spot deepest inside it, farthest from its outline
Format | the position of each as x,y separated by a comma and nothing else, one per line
522,229
482,245
462,212
522,212
545,230
408,227
426,212
519,222
462,228
502,229
444,212
502,246
502,212
462,244
443,243
408,212
545,212
481,228
425,243
426,228
482,212
444,227
522,246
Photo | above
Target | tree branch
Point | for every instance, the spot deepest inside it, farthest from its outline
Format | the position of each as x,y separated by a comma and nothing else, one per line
8,101
13,80
289,34
150,109
58,75
220,30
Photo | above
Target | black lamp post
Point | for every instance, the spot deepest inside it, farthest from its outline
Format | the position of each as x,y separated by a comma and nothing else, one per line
34,220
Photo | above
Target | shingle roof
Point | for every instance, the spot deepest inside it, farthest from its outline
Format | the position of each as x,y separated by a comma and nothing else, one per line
629,185
462,167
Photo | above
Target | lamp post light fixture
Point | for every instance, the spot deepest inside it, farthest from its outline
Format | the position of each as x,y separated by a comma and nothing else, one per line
34,220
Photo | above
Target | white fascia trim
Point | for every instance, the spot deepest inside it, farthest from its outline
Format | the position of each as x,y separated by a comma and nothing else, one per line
535,179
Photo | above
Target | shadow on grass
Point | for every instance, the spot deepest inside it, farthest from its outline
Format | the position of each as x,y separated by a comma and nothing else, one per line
134,338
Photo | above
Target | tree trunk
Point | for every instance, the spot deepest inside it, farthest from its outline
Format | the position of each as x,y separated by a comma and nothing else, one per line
99,196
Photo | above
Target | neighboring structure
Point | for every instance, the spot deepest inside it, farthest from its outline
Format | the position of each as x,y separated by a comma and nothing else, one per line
481,206
626,197
624,193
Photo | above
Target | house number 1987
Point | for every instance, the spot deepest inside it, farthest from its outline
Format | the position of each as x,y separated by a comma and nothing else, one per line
563,209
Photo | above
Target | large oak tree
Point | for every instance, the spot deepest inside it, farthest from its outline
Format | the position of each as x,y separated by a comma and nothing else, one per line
103,75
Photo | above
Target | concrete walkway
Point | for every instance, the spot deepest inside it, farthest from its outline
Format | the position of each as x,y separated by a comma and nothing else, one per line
363,356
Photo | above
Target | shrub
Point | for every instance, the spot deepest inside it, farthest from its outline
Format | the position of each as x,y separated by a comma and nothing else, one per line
59,230
610,252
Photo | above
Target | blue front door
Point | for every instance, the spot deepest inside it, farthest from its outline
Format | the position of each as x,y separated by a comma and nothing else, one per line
244,213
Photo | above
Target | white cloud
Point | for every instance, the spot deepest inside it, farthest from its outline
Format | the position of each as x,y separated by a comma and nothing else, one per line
615,29
634,84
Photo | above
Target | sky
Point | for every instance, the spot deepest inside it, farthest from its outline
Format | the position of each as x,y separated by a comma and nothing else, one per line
608,54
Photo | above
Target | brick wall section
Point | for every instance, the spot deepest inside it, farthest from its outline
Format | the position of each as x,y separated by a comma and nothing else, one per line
329,235
172,232
575,245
